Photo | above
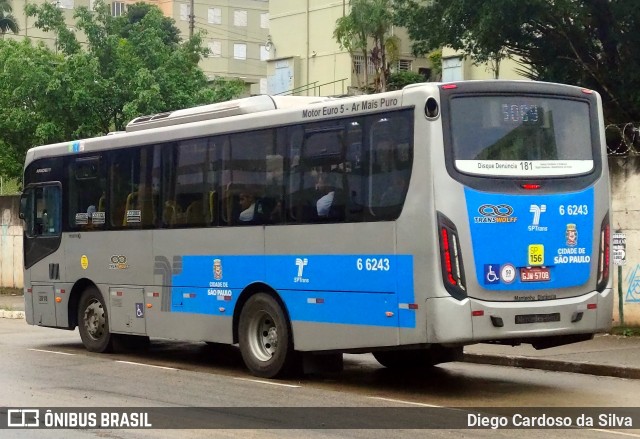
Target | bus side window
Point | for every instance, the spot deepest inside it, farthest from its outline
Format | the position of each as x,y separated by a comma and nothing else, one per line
213,207
86,192
43,211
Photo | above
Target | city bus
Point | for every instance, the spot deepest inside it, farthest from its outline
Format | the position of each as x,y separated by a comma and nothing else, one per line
406,224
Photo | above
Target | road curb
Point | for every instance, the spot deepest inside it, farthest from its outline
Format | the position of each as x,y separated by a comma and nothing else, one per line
4,314
555,365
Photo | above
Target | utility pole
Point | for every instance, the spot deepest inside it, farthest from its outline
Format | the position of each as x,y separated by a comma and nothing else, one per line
192,18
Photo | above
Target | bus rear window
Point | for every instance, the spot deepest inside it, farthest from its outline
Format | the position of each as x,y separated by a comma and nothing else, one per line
521,135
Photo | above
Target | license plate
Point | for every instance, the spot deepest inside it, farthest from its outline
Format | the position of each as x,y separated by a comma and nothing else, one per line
537,318
535,274
536,254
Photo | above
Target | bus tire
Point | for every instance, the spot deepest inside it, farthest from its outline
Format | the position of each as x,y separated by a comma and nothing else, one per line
93,322
265,338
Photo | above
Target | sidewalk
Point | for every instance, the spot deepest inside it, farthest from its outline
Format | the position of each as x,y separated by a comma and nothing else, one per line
11,307
605,355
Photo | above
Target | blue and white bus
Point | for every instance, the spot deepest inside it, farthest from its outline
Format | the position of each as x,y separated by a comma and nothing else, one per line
407,224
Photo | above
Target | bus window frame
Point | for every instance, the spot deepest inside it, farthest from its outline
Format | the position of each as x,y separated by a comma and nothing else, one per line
509,184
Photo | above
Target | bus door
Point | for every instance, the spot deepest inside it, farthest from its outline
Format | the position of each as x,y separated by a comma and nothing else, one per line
40,207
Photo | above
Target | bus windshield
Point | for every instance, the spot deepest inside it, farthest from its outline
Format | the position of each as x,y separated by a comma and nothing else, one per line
507,135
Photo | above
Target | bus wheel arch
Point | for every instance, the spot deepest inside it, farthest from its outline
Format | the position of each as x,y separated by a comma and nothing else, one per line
262,328
246,294
74,299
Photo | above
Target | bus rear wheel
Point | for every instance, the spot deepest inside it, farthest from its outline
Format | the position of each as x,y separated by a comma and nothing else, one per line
93,322
265,338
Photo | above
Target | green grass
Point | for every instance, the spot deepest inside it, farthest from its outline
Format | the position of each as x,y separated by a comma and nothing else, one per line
4,291
9,187
626,331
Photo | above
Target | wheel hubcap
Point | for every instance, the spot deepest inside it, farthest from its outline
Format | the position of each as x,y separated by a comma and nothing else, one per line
263,338
94,320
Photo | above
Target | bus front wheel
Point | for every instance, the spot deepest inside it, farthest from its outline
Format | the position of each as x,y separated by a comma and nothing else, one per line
265,338
93,322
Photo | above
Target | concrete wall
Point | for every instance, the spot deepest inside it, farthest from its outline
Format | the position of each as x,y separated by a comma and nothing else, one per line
625,191
11,261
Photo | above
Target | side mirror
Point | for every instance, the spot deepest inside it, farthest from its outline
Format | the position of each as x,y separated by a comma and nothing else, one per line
24,198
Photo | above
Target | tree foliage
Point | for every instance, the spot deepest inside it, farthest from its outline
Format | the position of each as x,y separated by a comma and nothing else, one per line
131,65
8,22
591,43
25,74
398,80
370,20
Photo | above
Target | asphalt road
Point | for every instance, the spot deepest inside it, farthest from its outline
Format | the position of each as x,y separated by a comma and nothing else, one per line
49,368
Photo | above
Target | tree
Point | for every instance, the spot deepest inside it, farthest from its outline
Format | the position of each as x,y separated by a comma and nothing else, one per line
134,64
370,19
591,43
130,66
351,35
26,72
398,80
8,22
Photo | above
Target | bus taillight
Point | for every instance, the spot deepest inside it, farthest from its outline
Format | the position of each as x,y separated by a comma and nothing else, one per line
604,254
451,257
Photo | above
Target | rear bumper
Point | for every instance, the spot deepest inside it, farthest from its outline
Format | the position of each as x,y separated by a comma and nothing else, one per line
586,314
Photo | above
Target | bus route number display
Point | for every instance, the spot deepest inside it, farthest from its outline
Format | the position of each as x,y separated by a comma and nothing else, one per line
514,113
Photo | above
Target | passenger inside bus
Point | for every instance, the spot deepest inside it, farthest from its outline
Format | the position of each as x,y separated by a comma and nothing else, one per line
331,203
327,190
247,206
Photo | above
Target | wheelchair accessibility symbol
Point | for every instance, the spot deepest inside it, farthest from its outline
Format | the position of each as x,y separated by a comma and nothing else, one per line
491,274
139,310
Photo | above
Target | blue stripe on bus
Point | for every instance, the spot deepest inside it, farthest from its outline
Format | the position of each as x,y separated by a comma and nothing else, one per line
347,289
503,227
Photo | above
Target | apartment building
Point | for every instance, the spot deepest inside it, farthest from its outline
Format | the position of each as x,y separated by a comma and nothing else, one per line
305,59
235,31
456,67
276,46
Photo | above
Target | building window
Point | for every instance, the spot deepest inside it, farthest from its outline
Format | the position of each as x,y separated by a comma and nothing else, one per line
118,8
264,20
404,65
239,51
64,4
240,18
452,69
185,12
215,49
214,16
358,64
264,53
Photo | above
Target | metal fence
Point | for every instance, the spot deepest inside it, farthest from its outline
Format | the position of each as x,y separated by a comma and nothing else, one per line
623,139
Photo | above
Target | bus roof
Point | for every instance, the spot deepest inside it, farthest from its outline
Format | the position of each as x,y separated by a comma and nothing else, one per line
254,104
